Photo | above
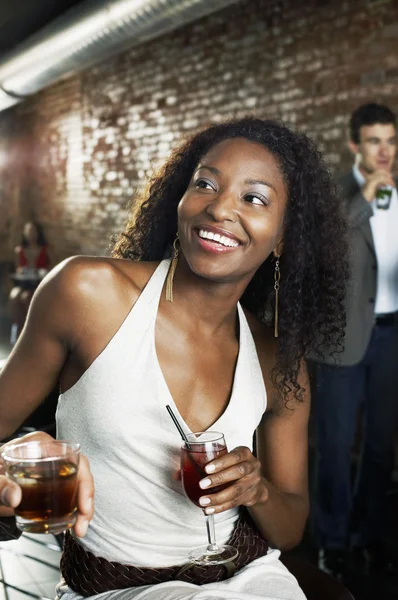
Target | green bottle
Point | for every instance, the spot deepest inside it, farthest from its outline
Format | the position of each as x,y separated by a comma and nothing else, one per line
383,198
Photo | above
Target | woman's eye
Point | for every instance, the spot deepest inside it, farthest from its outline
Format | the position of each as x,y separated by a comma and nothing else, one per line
253,199
204,185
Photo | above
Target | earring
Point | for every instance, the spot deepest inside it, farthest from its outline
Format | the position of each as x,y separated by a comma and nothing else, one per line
277,278
172,269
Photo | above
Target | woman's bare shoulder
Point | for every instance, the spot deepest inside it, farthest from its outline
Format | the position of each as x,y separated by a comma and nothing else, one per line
95,273
90,283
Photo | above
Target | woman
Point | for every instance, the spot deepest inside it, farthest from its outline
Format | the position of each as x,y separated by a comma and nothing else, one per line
258,222
32,263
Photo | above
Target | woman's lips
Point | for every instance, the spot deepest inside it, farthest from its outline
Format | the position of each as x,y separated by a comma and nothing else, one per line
214,247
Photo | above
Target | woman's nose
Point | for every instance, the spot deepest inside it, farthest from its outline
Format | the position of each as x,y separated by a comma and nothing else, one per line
223,207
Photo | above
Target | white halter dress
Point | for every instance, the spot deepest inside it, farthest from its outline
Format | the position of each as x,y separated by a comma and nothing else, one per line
116,411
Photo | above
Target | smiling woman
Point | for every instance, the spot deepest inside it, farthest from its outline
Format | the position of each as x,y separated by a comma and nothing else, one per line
236,194
249,213
313,264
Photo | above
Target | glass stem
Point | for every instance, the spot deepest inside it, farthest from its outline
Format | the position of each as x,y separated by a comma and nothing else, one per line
211,534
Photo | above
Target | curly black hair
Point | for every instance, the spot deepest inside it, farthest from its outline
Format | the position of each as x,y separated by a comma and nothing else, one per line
313,265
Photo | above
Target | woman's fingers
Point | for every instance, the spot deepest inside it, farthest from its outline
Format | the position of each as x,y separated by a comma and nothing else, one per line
238,463
10,496
240,473
85,498
35,436
228,475
236,456
10,492
246,493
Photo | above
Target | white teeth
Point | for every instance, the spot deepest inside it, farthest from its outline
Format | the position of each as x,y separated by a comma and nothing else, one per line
216,237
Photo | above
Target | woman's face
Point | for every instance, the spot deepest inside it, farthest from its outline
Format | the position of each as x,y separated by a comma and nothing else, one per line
30,233
231,216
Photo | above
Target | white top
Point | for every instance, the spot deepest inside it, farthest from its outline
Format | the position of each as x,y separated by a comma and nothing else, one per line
384,225
116,411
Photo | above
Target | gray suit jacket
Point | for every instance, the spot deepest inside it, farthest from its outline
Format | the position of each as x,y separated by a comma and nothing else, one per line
361,290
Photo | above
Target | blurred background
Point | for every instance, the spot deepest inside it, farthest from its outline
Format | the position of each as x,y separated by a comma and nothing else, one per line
95,94
73,150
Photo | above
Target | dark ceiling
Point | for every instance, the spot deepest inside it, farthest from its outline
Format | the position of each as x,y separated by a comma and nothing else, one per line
20,18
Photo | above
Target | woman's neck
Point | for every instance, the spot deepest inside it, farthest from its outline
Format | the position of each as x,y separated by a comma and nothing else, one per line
209,305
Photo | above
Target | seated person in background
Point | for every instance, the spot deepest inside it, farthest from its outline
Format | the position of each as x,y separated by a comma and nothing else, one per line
32,264
249,207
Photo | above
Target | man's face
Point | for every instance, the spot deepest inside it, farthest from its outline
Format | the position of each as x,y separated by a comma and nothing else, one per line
377,147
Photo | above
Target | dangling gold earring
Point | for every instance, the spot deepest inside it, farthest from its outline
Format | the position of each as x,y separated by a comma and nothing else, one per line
277,278
172,270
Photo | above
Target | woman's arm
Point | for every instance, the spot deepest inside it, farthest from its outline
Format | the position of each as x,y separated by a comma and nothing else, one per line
274,486
36,361
282,449
66,313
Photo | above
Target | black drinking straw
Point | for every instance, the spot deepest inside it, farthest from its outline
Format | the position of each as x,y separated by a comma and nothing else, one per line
176,423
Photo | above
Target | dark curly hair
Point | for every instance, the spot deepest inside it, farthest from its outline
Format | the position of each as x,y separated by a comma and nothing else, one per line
313,265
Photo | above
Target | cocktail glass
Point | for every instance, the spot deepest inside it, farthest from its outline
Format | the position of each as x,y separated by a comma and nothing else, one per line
199,449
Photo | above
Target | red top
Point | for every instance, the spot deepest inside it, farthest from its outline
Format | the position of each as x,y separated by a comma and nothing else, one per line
42,260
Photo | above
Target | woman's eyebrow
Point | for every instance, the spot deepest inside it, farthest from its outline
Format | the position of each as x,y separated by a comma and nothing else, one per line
247,181
259,182
209,168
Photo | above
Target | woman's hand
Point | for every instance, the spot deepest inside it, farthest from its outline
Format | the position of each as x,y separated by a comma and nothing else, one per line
10,496
242,471
10,492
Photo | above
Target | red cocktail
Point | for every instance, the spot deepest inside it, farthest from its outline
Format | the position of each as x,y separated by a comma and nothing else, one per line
200,449
193,464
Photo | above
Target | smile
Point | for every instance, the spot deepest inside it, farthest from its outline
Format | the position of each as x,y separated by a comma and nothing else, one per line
216,237
217,242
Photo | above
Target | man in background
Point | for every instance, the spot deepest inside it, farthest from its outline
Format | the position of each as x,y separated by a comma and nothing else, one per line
365,376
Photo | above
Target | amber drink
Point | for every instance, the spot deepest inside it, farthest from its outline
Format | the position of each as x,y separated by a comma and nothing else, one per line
47,476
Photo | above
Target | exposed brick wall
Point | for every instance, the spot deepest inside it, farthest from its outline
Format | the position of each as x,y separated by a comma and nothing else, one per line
73,155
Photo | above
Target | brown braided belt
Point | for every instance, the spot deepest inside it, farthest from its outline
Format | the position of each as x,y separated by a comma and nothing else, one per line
87,574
